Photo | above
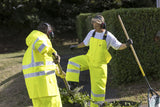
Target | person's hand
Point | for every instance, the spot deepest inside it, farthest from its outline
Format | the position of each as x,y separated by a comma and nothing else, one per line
72,47
60,74
129,42
56,59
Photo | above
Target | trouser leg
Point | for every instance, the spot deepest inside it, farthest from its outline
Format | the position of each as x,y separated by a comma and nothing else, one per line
50,101
75,65
98,84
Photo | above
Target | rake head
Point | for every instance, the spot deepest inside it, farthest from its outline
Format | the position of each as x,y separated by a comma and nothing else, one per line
75,91
153,98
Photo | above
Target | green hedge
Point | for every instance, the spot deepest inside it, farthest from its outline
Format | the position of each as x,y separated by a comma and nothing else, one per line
142,24
83,25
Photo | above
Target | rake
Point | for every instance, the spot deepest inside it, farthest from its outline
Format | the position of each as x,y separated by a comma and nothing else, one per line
154,100
70,92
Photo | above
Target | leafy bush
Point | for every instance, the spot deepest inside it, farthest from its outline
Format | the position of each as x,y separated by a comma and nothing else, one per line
78,98
82,100
122,104
83,25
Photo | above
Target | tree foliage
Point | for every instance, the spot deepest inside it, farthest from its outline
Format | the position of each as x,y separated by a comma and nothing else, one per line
19,15
37,10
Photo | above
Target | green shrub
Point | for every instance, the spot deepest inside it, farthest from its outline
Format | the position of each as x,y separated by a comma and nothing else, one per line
78,98
142,24
83,25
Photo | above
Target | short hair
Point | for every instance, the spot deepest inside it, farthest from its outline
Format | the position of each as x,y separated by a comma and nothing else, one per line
43,27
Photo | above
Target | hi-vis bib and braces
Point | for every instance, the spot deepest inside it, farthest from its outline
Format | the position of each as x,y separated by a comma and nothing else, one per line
96,62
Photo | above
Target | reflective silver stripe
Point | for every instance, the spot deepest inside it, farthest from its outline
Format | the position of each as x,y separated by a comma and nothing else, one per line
73,63
33,65
32,60
37,64
72,70
35,74
99,102
97,95
35,42
41,47
50,63
50,72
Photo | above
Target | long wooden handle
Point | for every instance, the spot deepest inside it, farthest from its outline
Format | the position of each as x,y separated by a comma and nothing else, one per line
131,46
64,79
61,71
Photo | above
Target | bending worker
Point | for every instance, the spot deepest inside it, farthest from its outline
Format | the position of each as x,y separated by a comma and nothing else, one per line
99,41
39,69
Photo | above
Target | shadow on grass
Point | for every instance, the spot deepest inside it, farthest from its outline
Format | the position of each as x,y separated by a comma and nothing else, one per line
10,78
16,56
13,92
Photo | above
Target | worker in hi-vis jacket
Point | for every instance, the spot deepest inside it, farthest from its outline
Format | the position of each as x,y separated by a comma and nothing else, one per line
39,69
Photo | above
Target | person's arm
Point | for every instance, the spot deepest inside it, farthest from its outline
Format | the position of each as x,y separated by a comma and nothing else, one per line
81,45
43,47
85,41
115,44
125,45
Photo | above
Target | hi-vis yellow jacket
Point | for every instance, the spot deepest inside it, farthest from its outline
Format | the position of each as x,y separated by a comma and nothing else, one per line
38,67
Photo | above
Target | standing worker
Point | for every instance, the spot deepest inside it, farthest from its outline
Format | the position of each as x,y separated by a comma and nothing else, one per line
99,41
39,69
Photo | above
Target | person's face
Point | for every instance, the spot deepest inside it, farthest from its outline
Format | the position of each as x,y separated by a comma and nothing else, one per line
96,26
157,39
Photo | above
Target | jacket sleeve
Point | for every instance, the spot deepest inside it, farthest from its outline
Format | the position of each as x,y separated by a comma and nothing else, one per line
43,47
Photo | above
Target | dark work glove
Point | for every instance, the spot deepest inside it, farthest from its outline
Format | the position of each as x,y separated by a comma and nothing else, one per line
129,42
56,59
72,47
